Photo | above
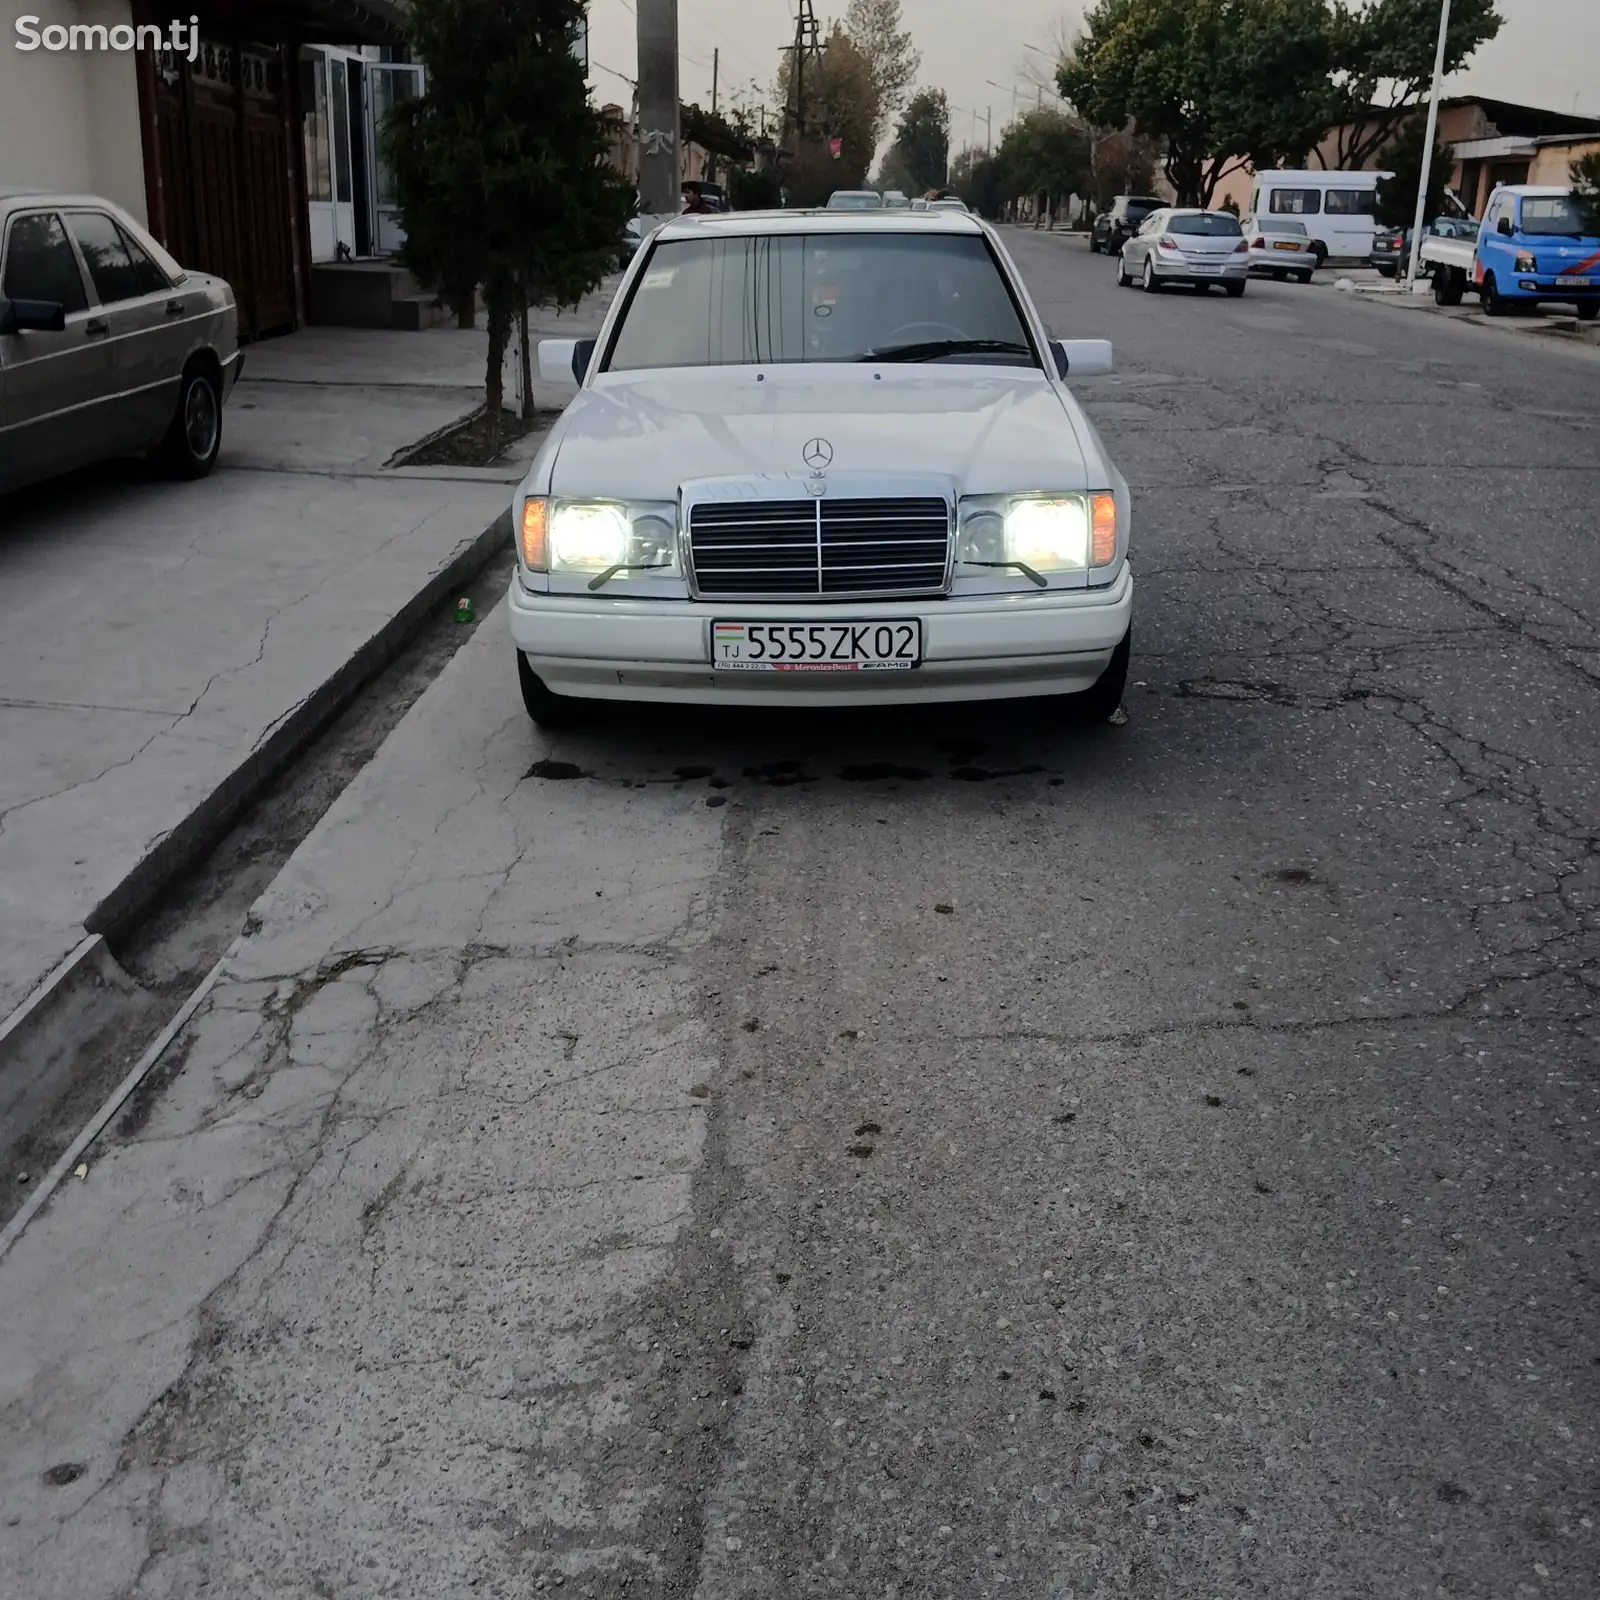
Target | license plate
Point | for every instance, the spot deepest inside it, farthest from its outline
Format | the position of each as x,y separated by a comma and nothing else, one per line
1201,266
892,646
1574,283
1279,244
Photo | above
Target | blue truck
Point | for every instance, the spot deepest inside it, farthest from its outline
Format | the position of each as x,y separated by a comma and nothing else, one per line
1535,244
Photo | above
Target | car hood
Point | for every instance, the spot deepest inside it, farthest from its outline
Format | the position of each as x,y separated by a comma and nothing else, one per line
642,435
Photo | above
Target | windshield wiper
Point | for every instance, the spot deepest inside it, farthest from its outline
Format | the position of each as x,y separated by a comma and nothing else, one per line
602,578
932,349
1015,566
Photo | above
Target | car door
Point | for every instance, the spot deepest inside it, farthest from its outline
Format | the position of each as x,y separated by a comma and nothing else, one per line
1492,243
1139,244
57,385
149,328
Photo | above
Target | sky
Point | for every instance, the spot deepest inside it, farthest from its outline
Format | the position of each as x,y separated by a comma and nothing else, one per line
977,53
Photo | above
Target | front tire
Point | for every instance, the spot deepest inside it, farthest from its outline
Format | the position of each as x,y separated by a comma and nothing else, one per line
1100,702
547,709
1147,280
194,436
1589,310
1235,290
1094,248
1494,304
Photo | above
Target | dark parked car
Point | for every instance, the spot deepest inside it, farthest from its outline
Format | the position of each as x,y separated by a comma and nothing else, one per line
1391,247
1113,228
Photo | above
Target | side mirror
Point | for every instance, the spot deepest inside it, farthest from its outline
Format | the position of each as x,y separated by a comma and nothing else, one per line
564,360
32,316
1082,358
1503,226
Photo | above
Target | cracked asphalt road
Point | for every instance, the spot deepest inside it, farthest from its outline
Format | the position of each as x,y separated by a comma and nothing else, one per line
943,1155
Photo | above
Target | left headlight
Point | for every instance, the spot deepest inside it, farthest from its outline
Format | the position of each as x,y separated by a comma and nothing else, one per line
593,536
1048,533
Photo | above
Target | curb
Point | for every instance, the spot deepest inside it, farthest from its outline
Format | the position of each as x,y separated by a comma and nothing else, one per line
38,1030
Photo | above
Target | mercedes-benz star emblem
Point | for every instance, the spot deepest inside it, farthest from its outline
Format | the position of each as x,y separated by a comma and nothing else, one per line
817,453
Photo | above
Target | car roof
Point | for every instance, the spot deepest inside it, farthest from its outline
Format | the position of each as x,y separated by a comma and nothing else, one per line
820,220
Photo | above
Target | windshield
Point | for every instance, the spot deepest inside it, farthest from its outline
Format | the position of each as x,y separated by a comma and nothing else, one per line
854,202
1142,208
1217,224
1279,225
770,298
1555,213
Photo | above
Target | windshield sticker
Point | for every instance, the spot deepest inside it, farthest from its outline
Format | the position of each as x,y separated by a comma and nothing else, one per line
659,278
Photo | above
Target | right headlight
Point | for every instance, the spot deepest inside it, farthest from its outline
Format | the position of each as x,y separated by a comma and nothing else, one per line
587,537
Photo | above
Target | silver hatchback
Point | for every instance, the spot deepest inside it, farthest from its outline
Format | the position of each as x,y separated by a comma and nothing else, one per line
107,346
1191,246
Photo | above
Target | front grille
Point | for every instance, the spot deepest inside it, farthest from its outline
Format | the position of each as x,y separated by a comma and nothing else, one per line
815,548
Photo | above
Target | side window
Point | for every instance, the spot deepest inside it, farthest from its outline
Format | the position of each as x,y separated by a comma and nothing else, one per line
1296,202
40,264
1351,202
110,266
152,280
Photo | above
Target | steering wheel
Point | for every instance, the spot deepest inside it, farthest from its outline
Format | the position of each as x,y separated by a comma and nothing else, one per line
921,331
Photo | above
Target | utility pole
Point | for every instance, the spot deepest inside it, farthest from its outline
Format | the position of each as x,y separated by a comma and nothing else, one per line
660,173
807,32
1427,148
716,57
988,130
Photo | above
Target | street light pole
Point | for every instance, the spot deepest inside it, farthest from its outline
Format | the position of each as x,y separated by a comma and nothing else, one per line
1427,148
660,177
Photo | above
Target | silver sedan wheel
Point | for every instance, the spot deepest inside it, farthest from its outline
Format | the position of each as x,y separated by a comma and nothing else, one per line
200,419
1148,281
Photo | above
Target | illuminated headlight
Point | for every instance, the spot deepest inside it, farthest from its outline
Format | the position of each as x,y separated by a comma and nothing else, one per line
594,536
1045,533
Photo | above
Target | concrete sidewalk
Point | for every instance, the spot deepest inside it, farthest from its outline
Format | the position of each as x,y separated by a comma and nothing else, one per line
436,1130
167,645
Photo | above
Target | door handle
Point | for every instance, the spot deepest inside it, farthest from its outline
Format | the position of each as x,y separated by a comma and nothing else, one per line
174,308
96,328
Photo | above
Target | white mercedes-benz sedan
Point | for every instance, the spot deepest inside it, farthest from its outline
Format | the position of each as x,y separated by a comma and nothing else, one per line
821,459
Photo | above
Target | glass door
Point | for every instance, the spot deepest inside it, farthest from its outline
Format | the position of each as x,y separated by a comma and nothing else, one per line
388,85
325,101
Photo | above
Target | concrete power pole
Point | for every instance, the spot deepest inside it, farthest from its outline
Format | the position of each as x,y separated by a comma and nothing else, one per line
660,173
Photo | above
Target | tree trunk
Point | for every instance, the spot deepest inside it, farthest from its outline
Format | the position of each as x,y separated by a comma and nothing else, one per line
494,384
527,355
467,313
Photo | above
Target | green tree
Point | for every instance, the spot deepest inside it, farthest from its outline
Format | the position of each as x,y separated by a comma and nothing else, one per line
877,30
1397,196
1383,53
840,103
920,155
975,177
1215,83
1044,152
500,167
1586,186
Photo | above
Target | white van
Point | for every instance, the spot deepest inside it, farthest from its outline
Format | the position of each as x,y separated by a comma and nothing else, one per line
1336,207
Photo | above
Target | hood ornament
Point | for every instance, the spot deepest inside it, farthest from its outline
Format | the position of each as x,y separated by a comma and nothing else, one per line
817,453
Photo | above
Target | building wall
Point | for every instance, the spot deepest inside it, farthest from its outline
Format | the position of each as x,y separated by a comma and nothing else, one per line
70,120
1554,163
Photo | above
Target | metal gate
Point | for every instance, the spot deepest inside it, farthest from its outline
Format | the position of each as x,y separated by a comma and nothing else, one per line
222,133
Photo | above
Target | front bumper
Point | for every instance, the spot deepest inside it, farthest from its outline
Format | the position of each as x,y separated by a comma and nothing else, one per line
995,647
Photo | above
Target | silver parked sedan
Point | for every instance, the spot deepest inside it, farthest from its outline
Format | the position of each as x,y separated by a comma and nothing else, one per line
1280,247
1186,246
107,345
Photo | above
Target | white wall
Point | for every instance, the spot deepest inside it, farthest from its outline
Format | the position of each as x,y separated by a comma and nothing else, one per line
70,120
